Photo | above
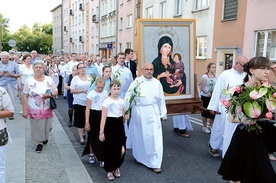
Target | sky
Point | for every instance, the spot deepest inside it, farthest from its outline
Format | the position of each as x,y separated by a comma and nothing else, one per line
27,12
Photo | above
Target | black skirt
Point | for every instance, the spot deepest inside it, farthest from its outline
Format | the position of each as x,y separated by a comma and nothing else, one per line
246,159
269,135
205,113
115,139
93,136
79,116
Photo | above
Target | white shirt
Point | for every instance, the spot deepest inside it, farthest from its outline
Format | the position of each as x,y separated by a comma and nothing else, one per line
78,84
25,73
114,107
97,99
69,66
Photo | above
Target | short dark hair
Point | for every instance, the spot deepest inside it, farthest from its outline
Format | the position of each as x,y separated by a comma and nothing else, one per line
128,51
120,53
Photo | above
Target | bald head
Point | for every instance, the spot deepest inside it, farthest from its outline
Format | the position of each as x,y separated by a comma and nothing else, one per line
148,70
241,60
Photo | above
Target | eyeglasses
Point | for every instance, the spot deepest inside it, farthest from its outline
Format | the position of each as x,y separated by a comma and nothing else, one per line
240,64
148,69
81,68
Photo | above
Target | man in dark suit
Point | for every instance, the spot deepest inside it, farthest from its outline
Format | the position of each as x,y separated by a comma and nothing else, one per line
129,63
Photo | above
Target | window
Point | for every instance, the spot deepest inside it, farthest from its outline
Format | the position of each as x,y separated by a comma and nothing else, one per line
163,10
120,47
201,47
201,4
266,44
129,21
230,9
138,9
128,44
149,12
121,23
92,32
178,7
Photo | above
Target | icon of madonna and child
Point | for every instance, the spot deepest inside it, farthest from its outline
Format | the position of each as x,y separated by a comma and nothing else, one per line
169,70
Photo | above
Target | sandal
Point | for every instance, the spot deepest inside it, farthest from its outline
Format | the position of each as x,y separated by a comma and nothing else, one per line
110,176
213,152
117,173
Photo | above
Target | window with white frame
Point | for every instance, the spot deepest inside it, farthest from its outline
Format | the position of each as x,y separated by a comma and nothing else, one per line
121,23
92,32
120,47
97,31
128,44
201,47
230,9
129,21
178,7
201,4
149,13
163,9
266,44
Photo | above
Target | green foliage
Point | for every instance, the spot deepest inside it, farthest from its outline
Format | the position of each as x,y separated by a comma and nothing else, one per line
39,37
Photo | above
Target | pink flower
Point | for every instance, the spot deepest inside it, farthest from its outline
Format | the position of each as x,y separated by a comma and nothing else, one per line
269,115
265,83
274,95
237,89
225,103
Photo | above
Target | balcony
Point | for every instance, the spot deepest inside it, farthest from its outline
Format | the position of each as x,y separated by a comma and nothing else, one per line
95,18
81,8
81,39
71,12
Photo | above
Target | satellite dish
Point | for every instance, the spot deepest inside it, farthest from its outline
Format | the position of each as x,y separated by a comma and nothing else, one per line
12,43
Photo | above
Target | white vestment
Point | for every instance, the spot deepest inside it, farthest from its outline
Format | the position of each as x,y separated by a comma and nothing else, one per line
222,129
182,122
124,76
145,129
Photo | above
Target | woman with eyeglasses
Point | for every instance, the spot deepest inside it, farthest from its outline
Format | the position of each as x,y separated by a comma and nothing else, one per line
78,88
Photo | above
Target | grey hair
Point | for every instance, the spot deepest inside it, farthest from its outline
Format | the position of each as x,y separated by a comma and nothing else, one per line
5,53
39,62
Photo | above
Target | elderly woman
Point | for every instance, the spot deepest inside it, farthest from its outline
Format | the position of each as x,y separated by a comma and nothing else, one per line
36,104
7,110
9,73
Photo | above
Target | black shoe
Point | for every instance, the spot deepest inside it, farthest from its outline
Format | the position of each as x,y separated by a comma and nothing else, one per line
11,118
64,97
45,142
70,124
82,143
39,148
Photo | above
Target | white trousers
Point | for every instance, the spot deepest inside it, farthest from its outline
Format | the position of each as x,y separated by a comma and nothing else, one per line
3,150
12,92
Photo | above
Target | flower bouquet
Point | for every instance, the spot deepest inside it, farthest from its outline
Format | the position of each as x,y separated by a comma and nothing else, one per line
251,104
135,92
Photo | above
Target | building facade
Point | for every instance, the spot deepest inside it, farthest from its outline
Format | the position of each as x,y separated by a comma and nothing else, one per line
57,30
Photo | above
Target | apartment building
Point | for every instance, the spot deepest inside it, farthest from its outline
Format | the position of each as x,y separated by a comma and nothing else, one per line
108,27
57,30
225,29
260,29
93,26
125,25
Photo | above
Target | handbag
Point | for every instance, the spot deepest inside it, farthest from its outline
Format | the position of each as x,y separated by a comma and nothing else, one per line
4,137
53,104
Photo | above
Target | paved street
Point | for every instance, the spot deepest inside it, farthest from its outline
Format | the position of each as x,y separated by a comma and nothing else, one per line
185,160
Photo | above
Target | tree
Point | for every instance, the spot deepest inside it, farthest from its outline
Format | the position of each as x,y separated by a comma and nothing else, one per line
39,37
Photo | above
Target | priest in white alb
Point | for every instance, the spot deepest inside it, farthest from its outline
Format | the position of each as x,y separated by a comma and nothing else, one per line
145,129
222,130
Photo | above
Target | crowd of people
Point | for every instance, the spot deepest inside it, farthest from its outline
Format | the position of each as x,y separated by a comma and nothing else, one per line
99,93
